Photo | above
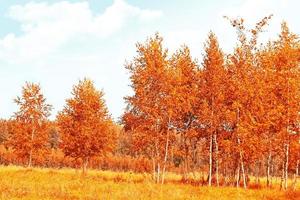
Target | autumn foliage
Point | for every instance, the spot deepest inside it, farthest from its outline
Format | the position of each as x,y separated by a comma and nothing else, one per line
229,117
234,114
29,125
85,125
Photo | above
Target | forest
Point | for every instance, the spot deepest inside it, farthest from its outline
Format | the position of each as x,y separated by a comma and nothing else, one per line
230,119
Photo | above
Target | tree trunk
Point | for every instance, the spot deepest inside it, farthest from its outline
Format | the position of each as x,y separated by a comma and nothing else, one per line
243,173
257,173
158,162
272,173
31,150
286,166
282,176
297,168
186,169
185,160
30,159
158,173
238,176
154,168
225,175
172,155
268,169
242,165
216,159
241,155
84,165
210,160
165,159
296,175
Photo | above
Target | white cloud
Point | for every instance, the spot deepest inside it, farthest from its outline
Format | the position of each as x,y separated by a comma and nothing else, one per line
47,26
62,42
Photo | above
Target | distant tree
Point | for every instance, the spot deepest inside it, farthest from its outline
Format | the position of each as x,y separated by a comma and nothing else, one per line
85,125
30,123
4,132
54,137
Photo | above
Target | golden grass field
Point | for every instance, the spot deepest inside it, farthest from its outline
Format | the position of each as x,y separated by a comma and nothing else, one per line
36,183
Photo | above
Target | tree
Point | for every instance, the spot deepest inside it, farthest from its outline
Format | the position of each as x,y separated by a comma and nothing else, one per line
183,101
148,114
287,93
242,65
85,125
54,136
214,110
4,132
30,123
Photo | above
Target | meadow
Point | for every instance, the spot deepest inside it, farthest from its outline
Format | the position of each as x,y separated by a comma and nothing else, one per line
37,183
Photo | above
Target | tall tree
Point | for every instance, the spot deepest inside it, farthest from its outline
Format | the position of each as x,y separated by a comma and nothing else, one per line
147,116
242,66
184,103
214,86
30,123
85,125
287,74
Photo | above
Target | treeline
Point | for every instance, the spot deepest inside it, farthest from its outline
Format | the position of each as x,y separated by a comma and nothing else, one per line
231,116
82,130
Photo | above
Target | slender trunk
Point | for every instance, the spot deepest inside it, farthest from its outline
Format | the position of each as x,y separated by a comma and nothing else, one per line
272,173
287,144
184,169
154,168
238,176
172,155
158,173
30,159
282,176
211,143
210,160
216,159
84,165
296,175
165,159
297,168
194,159
225,174
158,162
268,169
242,166
286,166
257,173
243,173
31,149
186,162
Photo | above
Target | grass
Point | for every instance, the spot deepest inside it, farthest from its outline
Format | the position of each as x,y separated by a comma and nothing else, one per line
36,183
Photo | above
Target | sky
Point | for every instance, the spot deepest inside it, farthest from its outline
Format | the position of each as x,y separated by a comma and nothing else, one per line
57,43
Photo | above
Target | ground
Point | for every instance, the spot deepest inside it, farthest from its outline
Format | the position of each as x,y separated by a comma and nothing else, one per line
36,183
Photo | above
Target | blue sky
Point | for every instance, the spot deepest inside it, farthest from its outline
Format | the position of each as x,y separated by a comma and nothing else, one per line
56,43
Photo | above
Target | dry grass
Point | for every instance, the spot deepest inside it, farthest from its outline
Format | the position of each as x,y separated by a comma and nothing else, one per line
21,183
